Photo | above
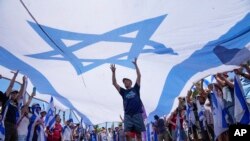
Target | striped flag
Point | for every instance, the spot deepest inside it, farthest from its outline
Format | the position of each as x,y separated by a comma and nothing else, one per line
188,110
2,130
178,128
220,124
50,116
201,113
200,109
81,128
2,127
241,111
40,133
33,120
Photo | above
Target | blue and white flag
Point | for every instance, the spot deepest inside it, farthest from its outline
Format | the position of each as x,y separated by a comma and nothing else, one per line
178,127
50,116
76,41
2,130
241,111
200,110
2,119
32,124
40,133
220,124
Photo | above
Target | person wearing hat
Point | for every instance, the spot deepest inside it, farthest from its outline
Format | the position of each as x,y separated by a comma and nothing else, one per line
132,104
10,108
67,131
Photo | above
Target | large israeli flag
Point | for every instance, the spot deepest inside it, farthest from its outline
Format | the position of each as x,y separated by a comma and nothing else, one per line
66,48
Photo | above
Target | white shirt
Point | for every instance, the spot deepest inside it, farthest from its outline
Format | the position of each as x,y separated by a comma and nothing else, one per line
110,136
22,128
67,133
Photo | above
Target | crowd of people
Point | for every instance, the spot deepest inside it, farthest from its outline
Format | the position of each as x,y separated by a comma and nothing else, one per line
195,117
21,121
193,120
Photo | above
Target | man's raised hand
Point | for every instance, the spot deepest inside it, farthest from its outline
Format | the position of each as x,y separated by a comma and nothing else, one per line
112,67
135,61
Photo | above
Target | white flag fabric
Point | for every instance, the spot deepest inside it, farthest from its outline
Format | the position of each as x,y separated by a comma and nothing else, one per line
241,111
220,124
66,48
50,119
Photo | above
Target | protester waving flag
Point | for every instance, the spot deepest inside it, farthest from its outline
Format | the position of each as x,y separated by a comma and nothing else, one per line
50,116
220,124
241,111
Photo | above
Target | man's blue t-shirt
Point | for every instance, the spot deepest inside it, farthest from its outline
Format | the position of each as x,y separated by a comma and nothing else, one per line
131,100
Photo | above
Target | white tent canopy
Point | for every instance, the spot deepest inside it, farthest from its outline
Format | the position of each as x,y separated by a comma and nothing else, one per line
66,47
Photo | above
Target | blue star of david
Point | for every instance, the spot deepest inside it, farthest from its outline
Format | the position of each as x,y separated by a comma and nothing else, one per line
145,30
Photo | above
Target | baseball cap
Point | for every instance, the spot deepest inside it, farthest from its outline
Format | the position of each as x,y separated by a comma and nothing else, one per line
125,79
70,120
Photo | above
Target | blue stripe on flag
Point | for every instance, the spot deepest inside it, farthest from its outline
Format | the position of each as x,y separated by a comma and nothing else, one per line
50,117
220,124
241,110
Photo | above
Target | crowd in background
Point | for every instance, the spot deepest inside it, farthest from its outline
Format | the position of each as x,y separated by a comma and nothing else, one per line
197,117
193,120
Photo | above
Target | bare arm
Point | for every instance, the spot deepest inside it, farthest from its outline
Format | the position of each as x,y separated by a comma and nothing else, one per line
121,118
114,82
30,98
138,79
201,86
219,79
23,88
239,72
188,97
227,82
247,67
246,75
12,82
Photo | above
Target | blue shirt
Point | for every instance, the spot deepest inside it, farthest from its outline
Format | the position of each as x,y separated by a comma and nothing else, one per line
131,100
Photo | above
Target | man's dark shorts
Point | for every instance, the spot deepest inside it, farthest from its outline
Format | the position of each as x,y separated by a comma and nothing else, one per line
134,123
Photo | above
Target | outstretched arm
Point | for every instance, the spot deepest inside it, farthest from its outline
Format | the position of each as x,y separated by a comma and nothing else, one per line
219,79
247,67
112,67
31,97
247,74
12,82
227,81
239,72
23,88
121,118
138,79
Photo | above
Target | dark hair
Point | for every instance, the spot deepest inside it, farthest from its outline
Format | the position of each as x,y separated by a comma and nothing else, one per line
14,92
125,79
156,117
